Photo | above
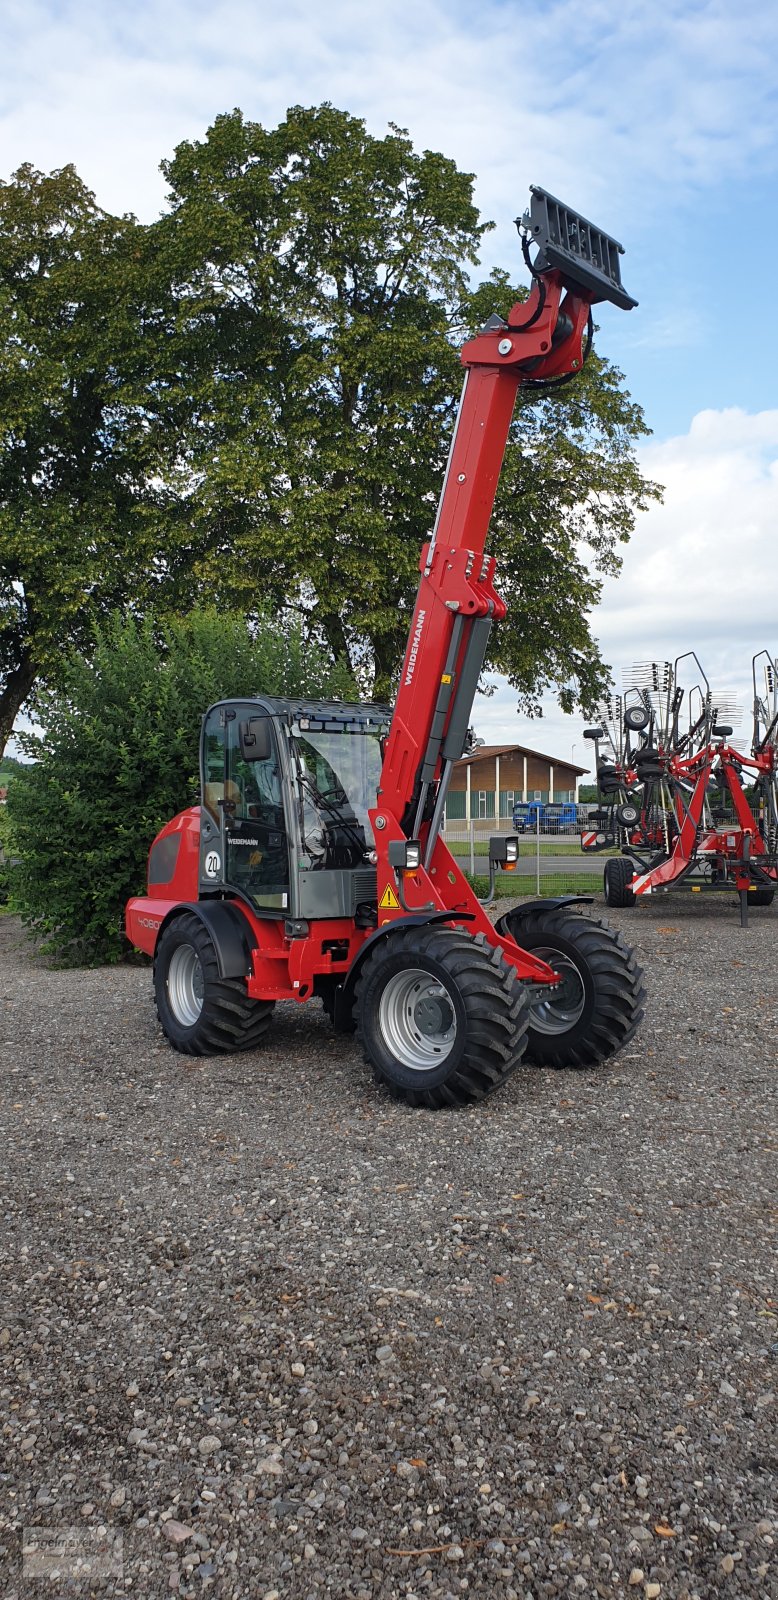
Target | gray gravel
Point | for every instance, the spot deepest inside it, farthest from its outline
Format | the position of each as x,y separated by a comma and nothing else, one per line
289,1339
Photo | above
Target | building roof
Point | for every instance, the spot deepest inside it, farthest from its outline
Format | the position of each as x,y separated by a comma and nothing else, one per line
485,751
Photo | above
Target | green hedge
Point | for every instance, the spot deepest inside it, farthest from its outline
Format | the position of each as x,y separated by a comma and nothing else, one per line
117,756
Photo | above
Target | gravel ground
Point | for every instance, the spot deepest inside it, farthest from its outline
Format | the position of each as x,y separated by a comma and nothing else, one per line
289,1339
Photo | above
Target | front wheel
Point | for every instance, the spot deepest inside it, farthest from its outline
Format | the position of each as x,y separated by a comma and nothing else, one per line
201,1013
761,897
442,1017
599,1003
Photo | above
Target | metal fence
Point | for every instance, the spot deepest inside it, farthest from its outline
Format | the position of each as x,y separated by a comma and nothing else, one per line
550,860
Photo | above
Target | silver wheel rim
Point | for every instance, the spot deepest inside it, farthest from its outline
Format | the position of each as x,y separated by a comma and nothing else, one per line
185,985
559,1009
417,1018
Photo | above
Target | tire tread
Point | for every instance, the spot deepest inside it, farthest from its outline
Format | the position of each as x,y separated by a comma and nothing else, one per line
617,873
496,1008
618,983
230,1020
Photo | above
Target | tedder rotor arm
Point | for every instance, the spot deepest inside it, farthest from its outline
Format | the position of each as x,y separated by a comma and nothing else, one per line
542,341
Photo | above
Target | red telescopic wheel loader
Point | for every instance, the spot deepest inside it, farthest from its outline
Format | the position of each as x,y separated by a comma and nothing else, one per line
314,865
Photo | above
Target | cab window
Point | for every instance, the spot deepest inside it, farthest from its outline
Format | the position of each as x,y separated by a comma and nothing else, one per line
255,836
212,775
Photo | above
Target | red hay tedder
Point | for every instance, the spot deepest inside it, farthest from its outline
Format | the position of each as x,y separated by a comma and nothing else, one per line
688,808
314,864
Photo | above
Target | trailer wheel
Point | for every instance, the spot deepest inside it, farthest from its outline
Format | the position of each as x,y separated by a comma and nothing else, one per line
599,1003
619,872
636,718
761,897
201,1013
442,1017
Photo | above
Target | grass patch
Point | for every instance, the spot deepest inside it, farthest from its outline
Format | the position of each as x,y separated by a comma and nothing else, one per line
508,884
565,845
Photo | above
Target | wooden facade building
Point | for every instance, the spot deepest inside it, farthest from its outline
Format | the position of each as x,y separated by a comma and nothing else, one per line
488,782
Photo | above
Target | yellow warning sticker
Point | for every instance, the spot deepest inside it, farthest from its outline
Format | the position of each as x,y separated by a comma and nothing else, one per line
389,900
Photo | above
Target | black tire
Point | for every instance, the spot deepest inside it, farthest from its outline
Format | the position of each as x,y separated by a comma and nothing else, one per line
200,1013
441,996
608,780
627,815
619,871
636,718
761,897
600,1005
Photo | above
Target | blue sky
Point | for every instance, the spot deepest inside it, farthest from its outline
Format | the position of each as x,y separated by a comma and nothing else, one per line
661,123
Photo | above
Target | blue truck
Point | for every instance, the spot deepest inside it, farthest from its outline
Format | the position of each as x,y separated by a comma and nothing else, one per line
535,816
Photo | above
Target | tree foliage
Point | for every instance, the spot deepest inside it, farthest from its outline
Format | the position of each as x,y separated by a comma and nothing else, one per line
322,265
254,395
61,462
9,766
331,271
117,756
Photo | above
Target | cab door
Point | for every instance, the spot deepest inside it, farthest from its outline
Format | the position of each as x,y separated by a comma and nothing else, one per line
213,790
255,833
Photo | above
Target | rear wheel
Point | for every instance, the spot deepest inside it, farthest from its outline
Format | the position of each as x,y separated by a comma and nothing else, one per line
201,1013
442,1017
761,897
599,1003
619,872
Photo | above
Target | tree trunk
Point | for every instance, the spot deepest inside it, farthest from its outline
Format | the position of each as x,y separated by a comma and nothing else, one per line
13,695
388,656
335,635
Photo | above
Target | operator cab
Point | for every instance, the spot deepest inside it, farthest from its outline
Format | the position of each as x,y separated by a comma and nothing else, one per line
286,790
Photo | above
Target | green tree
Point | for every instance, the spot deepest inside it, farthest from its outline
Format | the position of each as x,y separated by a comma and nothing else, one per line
328,271
254,396
117,756
8,767
319,265
91,515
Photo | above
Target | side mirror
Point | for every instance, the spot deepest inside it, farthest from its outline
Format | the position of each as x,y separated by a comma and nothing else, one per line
255,739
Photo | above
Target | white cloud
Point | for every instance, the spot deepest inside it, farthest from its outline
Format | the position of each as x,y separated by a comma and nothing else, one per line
705,564
496,722
701,571
623,108
618,106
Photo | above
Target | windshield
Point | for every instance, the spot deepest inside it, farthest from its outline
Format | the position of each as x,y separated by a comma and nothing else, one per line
338,776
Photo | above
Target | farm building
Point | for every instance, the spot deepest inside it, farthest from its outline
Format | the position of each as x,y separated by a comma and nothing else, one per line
510,772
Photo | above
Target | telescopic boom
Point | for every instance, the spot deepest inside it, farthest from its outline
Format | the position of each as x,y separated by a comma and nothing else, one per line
544,341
